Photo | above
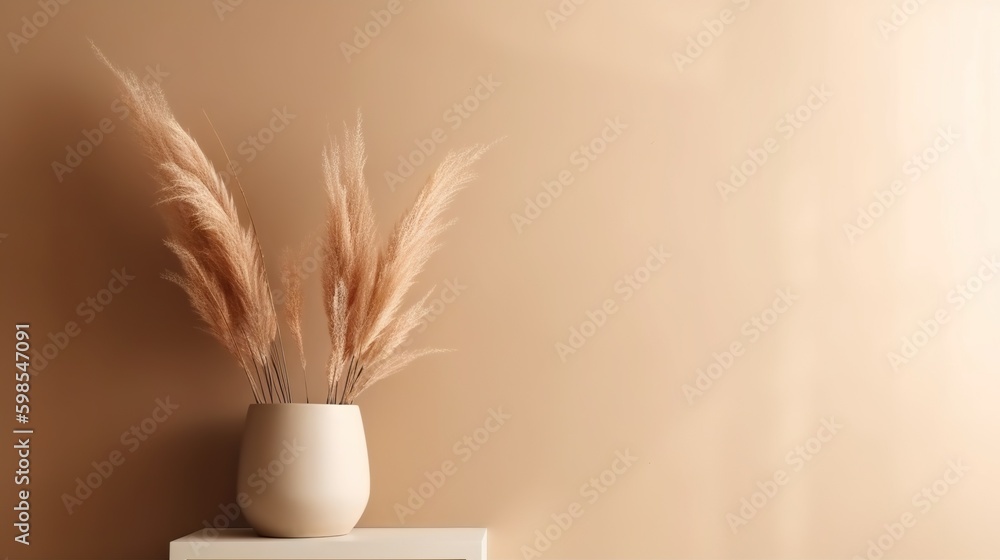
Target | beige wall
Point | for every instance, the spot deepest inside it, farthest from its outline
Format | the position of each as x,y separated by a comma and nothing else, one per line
523,286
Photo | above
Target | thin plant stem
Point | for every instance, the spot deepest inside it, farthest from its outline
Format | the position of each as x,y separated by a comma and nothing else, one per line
246,370
285,396
357,375
253,228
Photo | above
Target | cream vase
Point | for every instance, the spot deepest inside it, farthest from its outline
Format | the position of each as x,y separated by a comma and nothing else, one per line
303,469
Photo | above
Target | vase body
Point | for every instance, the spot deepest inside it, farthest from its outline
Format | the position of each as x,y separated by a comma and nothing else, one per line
303,469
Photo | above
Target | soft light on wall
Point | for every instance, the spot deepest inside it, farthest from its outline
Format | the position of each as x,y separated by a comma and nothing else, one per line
706,302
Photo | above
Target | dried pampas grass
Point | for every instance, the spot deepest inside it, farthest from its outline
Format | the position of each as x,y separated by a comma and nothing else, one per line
222,269
364,284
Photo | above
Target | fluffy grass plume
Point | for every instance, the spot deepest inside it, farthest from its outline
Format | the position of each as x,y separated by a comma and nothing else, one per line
222,269
364,283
